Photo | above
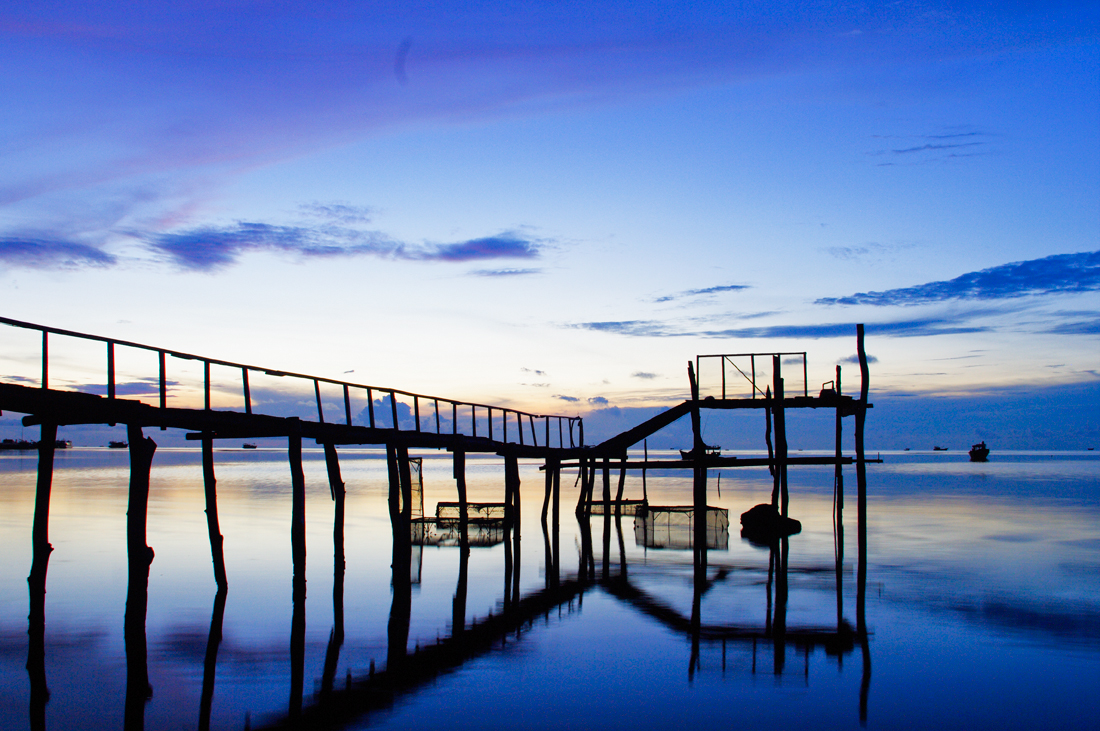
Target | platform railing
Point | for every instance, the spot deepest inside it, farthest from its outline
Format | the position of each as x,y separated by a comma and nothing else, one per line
752,368
524,428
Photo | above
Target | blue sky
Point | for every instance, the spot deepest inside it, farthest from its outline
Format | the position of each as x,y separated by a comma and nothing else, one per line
556,206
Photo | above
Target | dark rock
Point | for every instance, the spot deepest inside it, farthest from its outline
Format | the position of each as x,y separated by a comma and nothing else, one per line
762,525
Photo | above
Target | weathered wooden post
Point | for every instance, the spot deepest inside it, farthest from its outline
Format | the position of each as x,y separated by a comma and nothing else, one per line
780,435
463,506
36,582
140,556
298,501
839,508
861,484
298,551
336,637
699,492
511,489
212,527
606,518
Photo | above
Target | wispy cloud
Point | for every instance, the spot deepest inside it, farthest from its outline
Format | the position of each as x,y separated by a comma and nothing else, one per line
504,272
598,401
701,292
855,359
901,328
644,375
38,253
909,149
210,249
1056,274
570,399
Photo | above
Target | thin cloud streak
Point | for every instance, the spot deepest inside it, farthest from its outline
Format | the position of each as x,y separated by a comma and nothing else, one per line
1058,274
36,253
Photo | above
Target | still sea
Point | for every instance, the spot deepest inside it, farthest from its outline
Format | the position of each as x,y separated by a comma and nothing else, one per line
981,607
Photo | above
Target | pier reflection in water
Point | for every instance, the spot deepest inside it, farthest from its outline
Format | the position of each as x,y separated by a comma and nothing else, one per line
718,616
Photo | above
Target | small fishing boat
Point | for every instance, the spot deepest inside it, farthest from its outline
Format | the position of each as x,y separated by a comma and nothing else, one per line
979,452
939,449
118,445
248,445
708,451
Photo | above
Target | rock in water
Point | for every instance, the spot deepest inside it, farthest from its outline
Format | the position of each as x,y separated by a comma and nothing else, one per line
763,525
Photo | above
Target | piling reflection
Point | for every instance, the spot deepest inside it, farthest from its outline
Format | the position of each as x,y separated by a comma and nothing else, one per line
210,661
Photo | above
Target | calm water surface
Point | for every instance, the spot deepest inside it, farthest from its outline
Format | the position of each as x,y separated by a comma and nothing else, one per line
982,607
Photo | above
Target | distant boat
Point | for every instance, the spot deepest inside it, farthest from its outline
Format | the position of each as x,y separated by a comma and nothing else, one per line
708,451
62,444
117,445
939,449
18,444
248,445
979,453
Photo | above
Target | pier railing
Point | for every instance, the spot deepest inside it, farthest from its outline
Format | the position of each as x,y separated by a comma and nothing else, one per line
387,408
728,375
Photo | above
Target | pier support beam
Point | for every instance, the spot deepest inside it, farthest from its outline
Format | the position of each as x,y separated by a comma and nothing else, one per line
298,551
212,527
699,492
140,555
36,582
861,484
463,505
336,637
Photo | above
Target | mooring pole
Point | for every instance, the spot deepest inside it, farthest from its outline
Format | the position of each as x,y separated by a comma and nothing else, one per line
556,519
36,582
839,509
582,476
140,556
861,484
212,527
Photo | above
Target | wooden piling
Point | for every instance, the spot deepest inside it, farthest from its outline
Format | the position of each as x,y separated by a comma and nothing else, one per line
212,527
511,489
298,504
36,581
460,482
404,472
838,510
140,555
699,491
780,435
861,484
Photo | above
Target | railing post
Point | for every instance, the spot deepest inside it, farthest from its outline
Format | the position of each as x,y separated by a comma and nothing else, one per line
247,391
347,406
393,410
416,411
752,358
370,406
111,369
206,382
805,378
454,418
45,360
438,428
320,409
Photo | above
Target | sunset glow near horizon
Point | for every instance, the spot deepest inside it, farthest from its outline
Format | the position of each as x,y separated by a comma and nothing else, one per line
555,208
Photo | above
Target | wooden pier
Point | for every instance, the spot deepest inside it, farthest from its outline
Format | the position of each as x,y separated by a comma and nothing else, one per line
459,427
